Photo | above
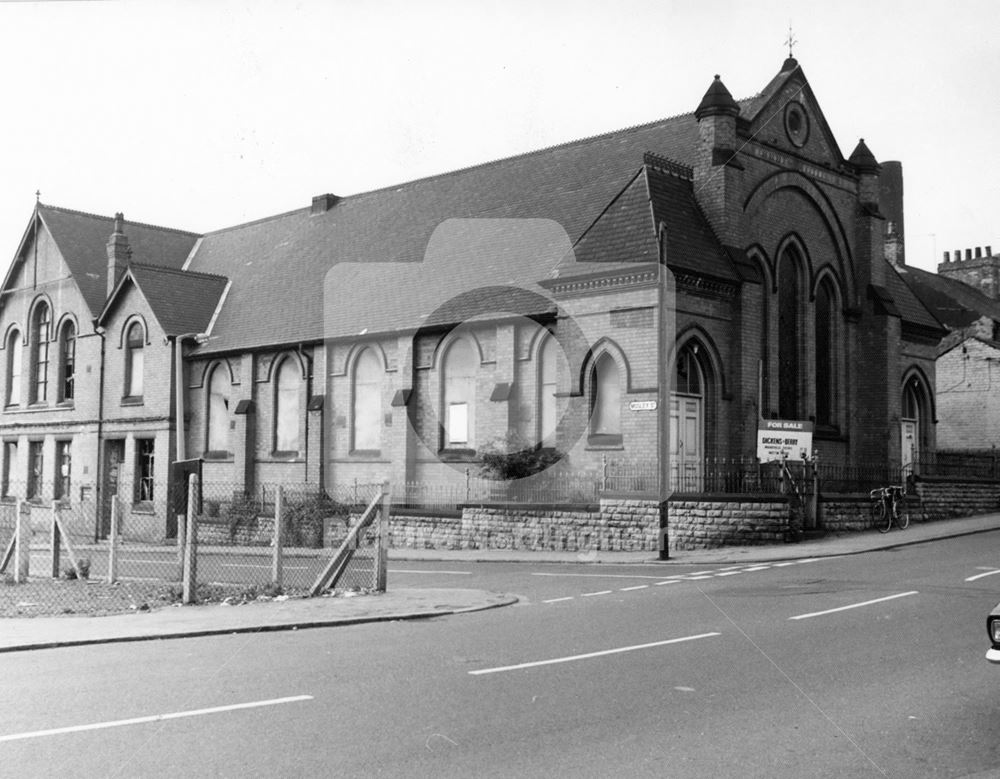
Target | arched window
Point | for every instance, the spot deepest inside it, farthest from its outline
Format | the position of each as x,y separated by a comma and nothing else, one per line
67,362
219,391
135,340
13,389
551,360
789,338
286,408
827,375
41,326
366,411
459,400
605,400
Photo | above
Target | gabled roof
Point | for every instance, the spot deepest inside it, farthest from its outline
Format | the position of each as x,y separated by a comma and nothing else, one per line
956,304
82,239
278,263
182,301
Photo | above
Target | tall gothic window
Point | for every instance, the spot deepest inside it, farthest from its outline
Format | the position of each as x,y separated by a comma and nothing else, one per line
219,390
36,469
789,336
827,375
64,463
145,459
605,399
135,340
9,469
14,369
459,401
41,326
286,408
548,376
366,412
67,361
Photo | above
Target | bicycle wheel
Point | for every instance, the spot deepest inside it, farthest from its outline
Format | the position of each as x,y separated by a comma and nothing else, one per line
902,512
879,516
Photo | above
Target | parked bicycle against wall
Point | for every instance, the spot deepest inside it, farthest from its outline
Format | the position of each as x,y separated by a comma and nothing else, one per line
888,506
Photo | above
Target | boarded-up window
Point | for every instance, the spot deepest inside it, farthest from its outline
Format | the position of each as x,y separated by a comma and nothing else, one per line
286,408
219,390
367,400
14,369
459,404
605,416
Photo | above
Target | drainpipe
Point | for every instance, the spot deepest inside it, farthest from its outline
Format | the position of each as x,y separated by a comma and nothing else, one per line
99,470
308,360
180,450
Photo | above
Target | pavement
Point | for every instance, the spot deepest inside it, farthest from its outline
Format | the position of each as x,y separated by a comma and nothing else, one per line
19,634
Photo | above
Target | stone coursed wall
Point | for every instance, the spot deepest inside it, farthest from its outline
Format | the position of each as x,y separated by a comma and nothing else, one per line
947,498
700,523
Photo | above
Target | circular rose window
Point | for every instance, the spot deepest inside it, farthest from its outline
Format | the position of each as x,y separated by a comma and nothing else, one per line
796,124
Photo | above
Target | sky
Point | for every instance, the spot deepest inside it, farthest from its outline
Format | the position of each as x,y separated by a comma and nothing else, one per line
203,115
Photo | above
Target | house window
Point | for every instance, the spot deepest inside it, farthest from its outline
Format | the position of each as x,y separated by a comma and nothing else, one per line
14,369
548,377
36,465
63,470
145,449
605,401
286,408
826,360
459,401
367,402
40,334
9,468
134,343
219,389
789,384
67,362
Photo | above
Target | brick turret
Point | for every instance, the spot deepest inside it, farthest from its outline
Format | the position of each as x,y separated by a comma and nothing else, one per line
716,165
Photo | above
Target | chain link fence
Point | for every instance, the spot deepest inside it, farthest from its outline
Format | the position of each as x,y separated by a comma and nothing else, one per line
78,557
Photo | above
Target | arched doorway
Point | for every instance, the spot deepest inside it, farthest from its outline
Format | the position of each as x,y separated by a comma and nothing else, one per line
912,425
687,423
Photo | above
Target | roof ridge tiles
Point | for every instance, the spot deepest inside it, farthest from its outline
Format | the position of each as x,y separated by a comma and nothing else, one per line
127,222
178,271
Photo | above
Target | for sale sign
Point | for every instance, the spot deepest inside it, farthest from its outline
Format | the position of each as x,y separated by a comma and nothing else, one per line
779,439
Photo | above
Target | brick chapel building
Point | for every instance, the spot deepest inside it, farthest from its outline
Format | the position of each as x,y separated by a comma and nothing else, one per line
648,294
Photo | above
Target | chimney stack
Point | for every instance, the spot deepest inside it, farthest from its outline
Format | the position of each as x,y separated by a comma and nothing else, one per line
947,256
323,203
119,253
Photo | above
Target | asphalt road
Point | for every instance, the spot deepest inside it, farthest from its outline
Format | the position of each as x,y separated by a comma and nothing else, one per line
866,665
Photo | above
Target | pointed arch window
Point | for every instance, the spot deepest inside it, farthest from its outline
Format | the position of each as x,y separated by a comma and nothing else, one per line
41,327
366,410
826,369
459,397
288,383
605,402
67,362
789,336
135,341
14,356
551,361
217,424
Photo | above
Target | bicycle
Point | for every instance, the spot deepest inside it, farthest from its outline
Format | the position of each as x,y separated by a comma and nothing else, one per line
888,506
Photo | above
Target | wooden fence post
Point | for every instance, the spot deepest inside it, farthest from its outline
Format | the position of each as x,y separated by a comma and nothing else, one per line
382,553
279,537
190,575
56,540
113,542
22,546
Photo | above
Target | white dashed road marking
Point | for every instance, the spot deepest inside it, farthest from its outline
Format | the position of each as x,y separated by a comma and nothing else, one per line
855,605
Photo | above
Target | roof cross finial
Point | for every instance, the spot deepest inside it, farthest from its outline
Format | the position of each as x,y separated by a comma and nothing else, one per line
790,40
38,196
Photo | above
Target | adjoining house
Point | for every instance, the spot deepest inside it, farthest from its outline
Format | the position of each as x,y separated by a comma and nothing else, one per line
645,297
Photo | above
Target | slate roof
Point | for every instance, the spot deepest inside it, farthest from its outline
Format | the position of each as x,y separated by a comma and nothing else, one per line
911,308
82,239
956,304
182,301
277,263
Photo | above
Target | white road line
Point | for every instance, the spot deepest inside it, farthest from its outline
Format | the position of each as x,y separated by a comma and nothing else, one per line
637,587
263,565
668,581
590,594
153,718
758,568
695,578
784,564
728,573
589,655
981,575
558,600
444,573
855,605
600,575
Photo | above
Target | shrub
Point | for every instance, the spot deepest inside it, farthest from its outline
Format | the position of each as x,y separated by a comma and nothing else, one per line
302,519
83,564
512,457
